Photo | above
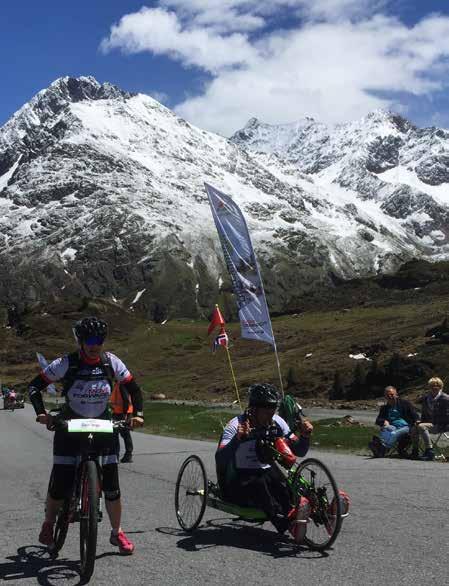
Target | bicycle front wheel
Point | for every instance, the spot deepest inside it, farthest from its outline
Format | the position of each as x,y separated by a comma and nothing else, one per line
314,481
191,493
88,517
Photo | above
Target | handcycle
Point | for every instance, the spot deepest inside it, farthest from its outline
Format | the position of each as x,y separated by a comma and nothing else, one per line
84,502
309,478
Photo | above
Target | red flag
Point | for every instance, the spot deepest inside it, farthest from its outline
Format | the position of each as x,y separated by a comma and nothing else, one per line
217,320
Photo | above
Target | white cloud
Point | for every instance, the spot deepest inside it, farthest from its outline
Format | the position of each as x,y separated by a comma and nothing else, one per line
334,65
339,9
160,32
161,97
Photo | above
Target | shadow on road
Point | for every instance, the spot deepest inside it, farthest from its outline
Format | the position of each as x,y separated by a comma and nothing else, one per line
230,533
35,562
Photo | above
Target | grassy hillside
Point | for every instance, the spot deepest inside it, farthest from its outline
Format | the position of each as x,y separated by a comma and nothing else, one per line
314,343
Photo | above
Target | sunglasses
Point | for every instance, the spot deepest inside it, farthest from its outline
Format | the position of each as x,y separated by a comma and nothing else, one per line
94,341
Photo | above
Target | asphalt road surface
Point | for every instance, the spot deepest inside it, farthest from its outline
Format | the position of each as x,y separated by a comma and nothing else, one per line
397,532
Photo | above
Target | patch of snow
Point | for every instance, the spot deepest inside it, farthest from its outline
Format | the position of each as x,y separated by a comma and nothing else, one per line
138,296
361,356
68,254
401,174
7,176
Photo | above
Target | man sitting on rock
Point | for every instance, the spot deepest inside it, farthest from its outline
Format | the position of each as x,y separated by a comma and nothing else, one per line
435,415
396,420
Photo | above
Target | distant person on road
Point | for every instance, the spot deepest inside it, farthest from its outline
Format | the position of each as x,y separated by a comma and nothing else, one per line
396,420
435,415
87,376
122,409
244,474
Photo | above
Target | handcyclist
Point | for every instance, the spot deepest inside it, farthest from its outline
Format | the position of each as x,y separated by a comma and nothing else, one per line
246,476
88,376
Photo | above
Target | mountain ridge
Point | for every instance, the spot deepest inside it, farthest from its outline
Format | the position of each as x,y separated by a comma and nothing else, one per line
101,194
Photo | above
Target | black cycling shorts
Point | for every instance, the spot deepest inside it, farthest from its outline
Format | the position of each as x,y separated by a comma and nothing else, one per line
66,450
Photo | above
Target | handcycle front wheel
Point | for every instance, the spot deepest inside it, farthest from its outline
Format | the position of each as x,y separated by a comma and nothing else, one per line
191,493
314,480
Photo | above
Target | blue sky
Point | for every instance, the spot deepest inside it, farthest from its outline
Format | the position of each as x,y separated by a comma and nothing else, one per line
220,62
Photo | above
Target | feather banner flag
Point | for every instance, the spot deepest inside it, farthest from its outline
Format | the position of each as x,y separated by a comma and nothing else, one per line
242,266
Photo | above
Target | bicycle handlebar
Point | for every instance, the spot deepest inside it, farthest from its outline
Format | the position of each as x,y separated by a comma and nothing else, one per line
58,423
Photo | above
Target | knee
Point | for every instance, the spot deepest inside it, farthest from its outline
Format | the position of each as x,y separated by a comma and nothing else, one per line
112,495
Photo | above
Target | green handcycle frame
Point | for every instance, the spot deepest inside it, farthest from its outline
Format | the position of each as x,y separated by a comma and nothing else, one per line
310,478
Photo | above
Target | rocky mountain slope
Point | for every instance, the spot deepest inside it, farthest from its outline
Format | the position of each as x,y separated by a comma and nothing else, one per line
101,195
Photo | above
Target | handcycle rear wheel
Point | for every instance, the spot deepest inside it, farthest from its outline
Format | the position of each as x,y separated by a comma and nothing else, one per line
88,518
314,481
191,493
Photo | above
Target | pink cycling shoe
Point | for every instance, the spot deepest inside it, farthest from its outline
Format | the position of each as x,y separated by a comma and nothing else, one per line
46,535
126,547
345,503
299,517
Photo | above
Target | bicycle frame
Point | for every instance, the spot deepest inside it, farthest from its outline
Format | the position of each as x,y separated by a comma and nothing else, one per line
76,506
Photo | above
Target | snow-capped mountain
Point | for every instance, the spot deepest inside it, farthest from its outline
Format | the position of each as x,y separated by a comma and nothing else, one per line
101,194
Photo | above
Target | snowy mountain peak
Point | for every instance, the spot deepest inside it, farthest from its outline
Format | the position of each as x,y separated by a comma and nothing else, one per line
102,194
77,89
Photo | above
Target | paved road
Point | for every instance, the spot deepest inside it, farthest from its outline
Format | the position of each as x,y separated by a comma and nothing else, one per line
397,533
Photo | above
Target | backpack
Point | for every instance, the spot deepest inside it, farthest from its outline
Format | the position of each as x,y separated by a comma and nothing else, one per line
291,412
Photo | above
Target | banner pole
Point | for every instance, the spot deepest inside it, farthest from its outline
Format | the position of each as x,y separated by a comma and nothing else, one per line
279,367
233,377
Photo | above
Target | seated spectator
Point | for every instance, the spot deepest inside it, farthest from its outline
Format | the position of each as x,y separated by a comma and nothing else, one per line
435,415
396,420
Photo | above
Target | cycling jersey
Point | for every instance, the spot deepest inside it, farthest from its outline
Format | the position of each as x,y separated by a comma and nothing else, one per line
88,395
245,454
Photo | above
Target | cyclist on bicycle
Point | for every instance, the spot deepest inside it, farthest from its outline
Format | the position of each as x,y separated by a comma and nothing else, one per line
87,376
245,474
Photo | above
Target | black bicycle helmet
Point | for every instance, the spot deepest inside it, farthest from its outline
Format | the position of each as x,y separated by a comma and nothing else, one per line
263,395
88,327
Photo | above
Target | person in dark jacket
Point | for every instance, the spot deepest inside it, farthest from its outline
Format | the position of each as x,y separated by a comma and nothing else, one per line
396,419
435,415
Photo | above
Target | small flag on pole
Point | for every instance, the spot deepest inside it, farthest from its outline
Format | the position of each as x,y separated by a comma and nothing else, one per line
217,320
221,340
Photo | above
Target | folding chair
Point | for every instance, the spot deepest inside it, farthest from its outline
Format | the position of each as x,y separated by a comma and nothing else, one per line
441,444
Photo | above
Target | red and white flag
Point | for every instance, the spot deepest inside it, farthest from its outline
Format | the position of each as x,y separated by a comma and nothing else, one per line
221,340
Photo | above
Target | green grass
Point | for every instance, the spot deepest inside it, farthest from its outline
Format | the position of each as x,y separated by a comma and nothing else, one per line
176,359
185,421
207,424
329,435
